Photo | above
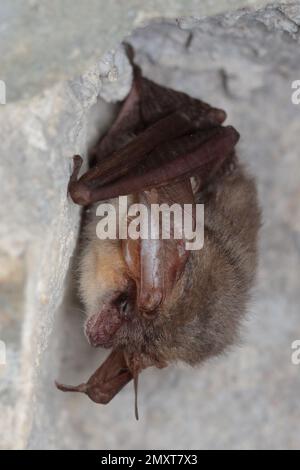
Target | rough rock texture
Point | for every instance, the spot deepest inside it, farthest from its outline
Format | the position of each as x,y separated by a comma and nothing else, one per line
243,61
39,224
76,35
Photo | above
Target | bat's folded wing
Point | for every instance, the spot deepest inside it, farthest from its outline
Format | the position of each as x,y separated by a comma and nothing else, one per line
186,141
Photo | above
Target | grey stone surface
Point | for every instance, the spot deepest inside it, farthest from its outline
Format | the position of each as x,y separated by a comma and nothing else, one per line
244,61
39,224
43,42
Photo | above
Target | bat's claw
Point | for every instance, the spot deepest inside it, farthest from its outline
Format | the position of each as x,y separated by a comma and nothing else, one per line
78,191
77,164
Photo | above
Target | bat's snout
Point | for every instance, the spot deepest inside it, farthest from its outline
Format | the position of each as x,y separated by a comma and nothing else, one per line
101,327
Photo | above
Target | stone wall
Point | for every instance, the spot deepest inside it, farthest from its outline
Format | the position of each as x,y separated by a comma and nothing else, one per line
240,56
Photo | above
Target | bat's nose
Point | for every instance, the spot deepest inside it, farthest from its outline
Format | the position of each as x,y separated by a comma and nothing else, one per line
93,331
94,337
101,327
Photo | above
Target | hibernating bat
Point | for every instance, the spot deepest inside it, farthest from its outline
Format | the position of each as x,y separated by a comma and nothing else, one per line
152,301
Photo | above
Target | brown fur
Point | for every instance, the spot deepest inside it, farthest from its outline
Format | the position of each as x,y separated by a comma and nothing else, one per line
203,316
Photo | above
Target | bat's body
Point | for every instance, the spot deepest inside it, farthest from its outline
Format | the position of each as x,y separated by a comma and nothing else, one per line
153,302
204,311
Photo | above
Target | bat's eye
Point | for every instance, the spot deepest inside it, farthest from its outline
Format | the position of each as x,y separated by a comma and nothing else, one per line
124,306
125,302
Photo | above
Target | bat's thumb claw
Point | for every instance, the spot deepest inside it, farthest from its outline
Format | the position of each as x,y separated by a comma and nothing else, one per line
82,388
77,164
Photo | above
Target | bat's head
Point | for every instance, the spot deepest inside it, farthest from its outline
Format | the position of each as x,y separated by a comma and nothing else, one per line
130,289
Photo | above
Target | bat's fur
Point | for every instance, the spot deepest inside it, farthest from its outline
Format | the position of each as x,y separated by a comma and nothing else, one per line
203,315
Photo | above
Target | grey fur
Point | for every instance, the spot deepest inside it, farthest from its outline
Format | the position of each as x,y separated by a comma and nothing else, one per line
204,313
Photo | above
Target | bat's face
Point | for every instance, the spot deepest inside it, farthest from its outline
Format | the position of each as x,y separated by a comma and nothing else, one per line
130,289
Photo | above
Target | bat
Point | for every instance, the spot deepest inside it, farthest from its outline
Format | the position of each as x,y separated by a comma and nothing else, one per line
153,302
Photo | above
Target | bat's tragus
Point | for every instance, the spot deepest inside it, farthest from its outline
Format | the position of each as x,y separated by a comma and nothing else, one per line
159,303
